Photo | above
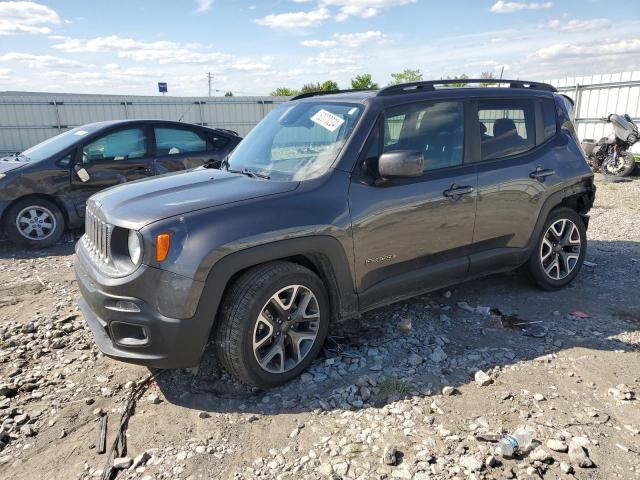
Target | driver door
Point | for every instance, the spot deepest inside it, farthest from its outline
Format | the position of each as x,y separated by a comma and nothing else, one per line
116,157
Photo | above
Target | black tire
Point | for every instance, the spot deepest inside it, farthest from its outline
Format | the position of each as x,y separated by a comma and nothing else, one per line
535,264
40,206
244,301
627,168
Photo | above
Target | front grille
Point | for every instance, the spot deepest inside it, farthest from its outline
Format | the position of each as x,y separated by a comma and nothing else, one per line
97,237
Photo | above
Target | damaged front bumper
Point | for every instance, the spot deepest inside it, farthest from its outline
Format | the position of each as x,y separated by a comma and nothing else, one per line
131,329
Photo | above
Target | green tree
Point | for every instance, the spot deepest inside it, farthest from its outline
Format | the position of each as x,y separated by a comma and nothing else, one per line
284,92
329,85
464,76
406,76
363,82
311,87
228,94
487,76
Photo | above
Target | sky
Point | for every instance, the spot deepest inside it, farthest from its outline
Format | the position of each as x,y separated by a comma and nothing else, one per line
252,47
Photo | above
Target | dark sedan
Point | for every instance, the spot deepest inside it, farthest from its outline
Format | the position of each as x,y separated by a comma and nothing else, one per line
44,189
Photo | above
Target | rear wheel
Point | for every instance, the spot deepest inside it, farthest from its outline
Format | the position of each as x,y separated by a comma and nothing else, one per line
34,223
560,251
273,322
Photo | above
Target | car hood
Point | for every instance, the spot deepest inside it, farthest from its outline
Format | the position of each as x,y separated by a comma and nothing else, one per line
139,203
10,163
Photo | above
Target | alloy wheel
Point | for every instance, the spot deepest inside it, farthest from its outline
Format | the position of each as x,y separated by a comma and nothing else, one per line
560,249
286,329
36,222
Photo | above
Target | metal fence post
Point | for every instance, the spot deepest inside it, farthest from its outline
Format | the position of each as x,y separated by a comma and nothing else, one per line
55,106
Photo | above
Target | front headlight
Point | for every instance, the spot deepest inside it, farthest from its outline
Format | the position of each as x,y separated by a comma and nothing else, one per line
135,246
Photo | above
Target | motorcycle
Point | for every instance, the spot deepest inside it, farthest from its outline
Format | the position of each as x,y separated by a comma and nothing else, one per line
611,155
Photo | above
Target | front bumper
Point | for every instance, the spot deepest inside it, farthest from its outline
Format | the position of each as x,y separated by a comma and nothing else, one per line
144,337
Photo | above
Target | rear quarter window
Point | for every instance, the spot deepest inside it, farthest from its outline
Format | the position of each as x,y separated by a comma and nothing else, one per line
549,118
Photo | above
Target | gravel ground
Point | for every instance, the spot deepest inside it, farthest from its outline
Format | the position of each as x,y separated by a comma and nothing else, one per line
421,389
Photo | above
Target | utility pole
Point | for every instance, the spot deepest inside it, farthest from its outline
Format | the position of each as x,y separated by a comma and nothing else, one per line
209,78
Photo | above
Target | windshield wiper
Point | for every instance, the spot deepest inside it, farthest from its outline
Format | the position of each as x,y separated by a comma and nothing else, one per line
249,173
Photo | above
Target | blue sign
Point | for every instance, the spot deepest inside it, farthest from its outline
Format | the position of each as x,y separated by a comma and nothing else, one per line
162,87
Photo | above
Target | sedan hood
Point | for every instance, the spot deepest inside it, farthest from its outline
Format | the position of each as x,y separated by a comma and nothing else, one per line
136,204
10,163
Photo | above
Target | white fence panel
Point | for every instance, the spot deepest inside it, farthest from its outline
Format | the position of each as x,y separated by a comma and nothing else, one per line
597,96
29,118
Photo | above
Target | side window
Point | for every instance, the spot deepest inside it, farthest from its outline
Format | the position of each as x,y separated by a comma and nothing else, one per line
121,145
435,128
218,142
174,141
549,118
507,127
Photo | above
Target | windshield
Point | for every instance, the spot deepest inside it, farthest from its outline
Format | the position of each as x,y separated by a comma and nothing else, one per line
55,144
296,141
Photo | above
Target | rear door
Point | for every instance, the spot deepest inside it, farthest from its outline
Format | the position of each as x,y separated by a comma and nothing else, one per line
516,162
411,234
181,147
117,156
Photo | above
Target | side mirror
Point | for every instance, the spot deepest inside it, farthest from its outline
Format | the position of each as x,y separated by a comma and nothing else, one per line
82,173
401,164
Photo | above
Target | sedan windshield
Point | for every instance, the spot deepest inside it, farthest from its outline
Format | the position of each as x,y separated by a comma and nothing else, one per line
55,144
296,141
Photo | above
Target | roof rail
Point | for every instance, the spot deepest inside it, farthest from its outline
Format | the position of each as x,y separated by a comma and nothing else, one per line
328,92
415,87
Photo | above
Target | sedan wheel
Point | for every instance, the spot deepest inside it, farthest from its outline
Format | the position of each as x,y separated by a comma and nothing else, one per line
36,222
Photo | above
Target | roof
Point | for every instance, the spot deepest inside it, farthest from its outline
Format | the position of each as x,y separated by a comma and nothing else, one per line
429,86
111,123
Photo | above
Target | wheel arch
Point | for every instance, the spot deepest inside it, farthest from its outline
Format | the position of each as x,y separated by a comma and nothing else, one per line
322,254
579,197
42,196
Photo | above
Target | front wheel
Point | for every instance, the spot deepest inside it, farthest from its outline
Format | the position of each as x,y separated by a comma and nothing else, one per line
623,166
34,223
273,322
560,251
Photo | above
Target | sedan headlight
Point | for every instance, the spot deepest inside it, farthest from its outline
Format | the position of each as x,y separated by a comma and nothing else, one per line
135,246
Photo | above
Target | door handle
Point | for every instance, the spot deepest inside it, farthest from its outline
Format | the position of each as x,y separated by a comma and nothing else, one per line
456,191
541,173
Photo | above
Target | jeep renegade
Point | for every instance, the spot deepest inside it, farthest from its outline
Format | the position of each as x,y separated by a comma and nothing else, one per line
332,206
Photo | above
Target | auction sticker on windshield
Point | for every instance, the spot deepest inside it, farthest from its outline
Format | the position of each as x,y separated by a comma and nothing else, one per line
327,120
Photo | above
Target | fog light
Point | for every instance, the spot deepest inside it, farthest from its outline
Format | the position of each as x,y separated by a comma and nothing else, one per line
129,335
122,306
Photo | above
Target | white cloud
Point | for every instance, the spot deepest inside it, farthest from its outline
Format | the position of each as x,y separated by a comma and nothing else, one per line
362,8
509,7
589,50
164,52
332,58
5,73
40,61
579,25
204,5
26,17
311,18
349,40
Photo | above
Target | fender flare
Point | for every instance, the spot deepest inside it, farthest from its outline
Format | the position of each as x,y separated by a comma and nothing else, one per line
324,252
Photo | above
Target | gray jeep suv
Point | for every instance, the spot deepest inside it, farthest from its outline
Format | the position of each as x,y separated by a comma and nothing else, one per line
332,206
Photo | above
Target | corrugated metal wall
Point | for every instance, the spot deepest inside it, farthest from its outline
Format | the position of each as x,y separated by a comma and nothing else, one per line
29,118
598,96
